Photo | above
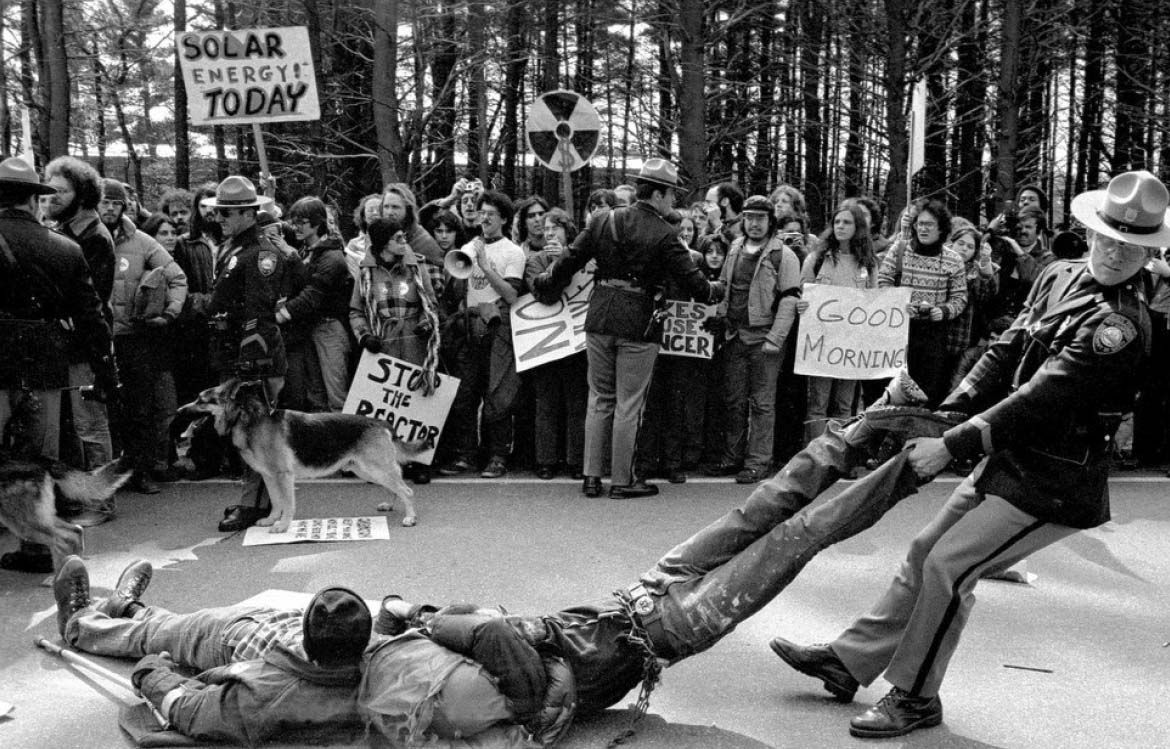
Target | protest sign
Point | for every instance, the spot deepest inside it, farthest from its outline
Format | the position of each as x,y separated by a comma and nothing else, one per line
318,530
249,76
390,390
682,334
853,334
546,332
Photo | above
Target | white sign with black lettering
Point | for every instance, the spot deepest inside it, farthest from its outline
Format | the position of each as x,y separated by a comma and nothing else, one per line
320,530
240,77
391,390
853,334
682,331
542,333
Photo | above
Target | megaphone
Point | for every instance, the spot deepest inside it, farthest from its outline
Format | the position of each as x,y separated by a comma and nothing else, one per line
458,263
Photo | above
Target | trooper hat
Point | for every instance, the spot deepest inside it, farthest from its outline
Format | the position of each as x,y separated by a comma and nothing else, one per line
336,626
659,172
17,176
1131,209
234,192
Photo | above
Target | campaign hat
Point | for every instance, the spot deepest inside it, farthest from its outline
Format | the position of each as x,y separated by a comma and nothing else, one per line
18,176
1132,209
659,172
234,192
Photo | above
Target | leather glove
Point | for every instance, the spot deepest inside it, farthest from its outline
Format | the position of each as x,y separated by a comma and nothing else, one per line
148,665
715,325
559,705
371,343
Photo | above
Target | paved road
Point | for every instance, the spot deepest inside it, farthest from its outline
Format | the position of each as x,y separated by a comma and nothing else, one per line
1097,613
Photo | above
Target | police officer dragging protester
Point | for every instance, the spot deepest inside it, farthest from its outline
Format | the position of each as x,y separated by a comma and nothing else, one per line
1042,405
636,251
47,304
259,273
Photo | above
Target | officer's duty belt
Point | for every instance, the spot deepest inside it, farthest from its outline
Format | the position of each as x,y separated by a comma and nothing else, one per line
645,608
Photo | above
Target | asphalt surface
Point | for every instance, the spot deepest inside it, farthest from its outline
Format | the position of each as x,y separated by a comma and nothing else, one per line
1078,657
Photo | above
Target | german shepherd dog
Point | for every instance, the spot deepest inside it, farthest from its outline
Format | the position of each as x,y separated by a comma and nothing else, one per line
28,489
285,445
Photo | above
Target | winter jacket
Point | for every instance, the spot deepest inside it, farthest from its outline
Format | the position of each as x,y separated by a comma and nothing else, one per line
136,253
774,289
328,285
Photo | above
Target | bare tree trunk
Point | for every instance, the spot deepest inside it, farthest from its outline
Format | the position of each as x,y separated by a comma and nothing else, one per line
692,100
895,84
549,80
859,30
1009,105
1098,33
477,125
389,141
814,28
1132,78
664,133
765,20
444,55
969,110
182,134
35,88
5,113
99,97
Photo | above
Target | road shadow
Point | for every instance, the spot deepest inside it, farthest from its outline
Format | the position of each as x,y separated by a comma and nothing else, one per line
652,732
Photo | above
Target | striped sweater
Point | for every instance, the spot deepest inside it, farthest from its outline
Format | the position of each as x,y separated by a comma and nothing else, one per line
939,280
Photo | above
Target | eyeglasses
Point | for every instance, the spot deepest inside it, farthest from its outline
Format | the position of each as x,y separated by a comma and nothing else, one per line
926,224
536,214
489,213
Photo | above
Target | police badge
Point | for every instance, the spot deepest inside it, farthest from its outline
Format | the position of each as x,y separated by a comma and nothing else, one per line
1113,334
266,262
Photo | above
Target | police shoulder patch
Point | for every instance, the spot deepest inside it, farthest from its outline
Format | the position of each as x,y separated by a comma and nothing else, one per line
1113,334
266,262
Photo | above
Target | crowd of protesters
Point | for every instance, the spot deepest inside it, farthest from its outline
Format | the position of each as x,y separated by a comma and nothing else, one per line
162,278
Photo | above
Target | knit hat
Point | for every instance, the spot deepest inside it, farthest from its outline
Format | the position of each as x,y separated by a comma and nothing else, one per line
336,626
112,189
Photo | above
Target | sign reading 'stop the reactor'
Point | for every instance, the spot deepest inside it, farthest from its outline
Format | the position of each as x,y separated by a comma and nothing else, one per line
249,76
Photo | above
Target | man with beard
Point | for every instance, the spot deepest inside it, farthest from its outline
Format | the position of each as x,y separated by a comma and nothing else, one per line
762,276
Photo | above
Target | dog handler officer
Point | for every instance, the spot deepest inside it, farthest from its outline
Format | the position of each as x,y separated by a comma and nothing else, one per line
1043,404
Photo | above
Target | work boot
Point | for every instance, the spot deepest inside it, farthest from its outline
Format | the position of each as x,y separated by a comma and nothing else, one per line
819,662
71,589
128,592
591,486
897,714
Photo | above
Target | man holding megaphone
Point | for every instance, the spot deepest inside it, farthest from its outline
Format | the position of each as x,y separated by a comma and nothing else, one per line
494,268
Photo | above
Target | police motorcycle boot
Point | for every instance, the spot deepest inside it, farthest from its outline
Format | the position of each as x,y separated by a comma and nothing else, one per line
241,517
71,590
820,662
635,490
897,714
127,595
591,486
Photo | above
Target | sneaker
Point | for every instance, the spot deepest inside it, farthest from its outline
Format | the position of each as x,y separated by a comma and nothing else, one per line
494,469
455,467
71,589
131,585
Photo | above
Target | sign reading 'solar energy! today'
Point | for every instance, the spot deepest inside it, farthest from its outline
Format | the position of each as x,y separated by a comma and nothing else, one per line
249,76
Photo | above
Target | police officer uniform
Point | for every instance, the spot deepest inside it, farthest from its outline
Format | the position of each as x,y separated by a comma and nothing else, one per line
253,276
1044,402
636,251
45,291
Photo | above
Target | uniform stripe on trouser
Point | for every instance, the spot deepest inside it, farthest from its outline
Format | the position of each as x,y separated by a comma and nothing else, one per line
956,599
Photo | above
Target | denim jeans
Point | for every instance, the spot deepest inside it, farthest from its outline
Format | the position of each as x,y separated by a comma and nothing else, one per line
194,640
331,341
750,379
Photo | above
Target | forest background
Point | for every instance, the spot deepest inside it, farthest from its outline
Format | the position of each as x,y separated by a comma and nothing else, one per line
814,93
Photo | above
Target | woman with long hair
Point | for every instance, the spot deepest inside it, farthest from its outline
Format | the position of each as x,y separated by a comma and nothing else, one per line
842,256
